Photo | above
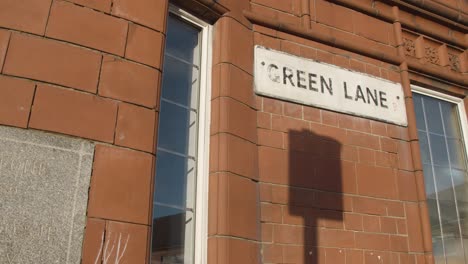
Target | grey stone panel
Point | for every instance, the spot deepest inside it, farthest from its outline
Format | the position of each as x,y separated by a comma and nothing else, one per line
44,182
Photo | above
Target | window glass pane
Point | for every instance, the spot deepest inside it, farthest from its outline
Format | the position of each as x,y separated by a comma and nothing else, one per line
433,118
177,82
172,172
182,40
418,108
450,117
439,150
176,172
444,162
175,125
170,227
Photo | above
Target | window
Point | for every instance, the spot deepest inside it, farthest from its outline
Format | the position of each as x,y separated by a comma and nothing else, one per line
441,121
180,192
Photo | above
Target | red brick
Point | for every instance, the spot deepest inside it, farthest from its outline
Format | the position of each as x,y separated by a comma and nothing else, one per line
266,41
73,113
377,257
235,83
354,256
146,12
272,253
271,213
386,159
353,222
4,39
121,185
272,106
233,44
335,255
414,228
336,238
136,127
407,189
401,226
93,241
263,120
372,241
333,15
267,232
16,97
51,61
29,16
292,110
329,132
87,27
372,28
144,45
273,165
312,114
288,6
376,181
226,250
129,82
362,140
293,215
238,156
366,156
388,225
371,223
126,242
395,208
102,5
405,160
329,118
237,207
369,206
378,128
399,243
286,124
237,119
270,138
287,234
389,145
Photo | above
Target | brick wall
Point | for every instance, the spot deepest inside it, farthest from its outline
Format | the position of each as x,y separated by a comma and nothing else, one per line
288,183
91,69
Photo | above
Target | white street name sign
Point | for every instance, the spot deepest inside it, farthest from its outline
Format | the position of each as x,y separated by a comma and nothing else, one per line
309,82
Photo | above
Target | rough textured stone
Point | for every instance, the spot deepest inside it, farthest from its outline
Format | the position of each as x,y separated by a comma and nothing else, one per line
44,181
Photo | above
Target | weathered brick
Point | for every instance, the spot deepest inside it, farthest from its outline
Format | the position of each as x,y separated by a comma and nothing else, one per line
87,27
73,113
151,13
144,45
102,5
51,61
4,39
121,185
129,82
29,16
136,127
16,97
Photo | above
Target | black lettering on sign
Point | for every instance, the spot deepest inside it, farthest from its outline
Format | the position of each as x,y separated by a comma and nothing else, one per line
359,94
273,76
383,99
346,92
288,75
300,79
312,81
323,84
372,96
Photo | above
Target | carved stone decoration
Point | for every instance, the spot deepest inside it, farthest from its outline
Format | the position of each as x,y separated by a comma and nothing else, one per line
410,47
44,182
431,55
454,62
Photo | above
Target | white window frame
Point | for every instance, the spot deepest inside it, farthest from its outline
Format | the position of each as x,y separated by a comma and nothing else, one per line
451,99
204,119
